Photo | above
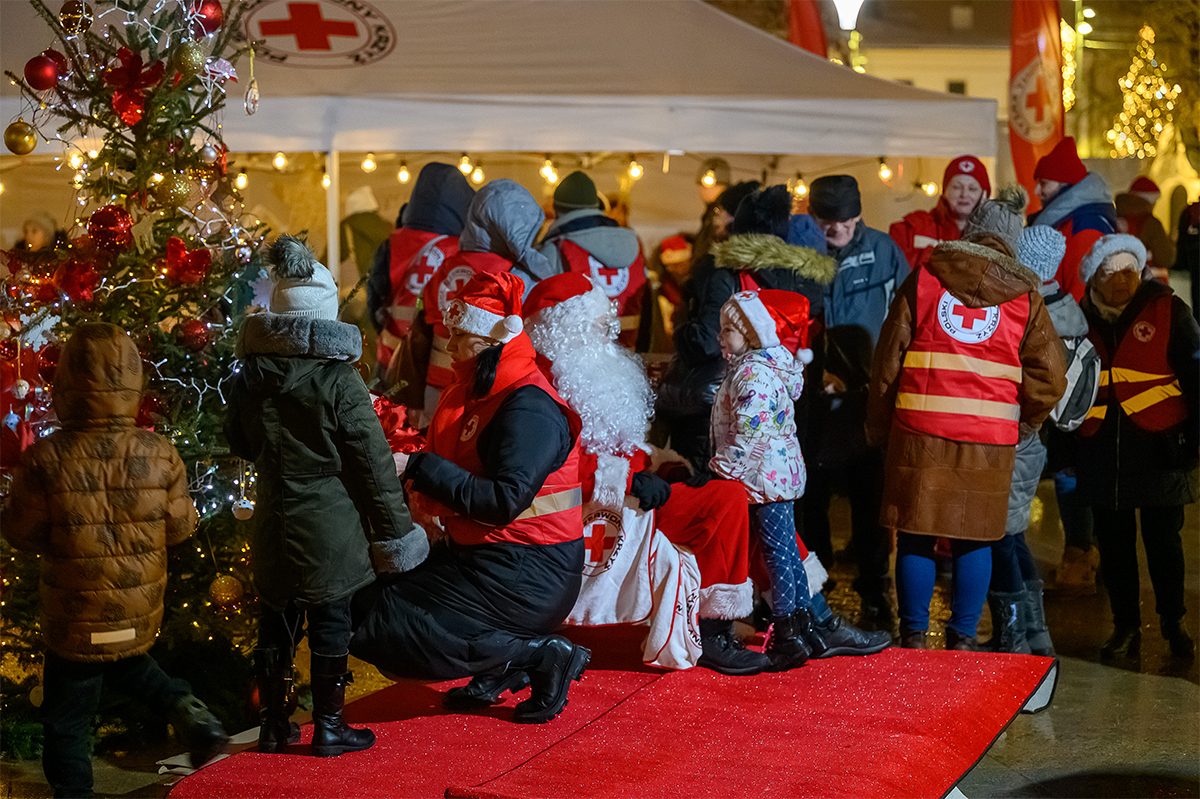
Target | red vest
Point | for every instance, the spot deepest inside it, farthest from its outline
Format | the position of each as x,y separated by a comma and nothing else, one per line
451,276
1138,375
415,257
556,513
626,286
961,376
920,231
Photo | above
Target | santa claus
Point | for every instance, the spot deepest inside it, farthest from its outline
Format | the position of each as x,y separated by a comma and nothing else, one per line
656,553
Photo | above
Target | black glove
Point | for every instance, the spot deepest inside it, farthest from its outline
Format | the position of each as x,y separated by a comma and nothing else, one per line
699,479
652,491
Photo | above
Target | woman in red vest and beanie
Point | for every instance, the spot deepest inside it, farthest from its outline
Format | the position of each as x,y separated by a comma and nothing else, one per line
1137,446
501,477
965,186
968,364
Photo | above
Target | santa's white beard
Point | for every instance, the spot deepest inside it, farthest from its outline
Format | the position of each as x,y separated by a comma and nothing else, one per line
607,387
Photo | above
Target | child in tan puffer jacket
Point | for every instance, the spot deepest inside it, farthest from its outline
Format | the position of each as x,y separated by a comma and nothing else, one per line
100,501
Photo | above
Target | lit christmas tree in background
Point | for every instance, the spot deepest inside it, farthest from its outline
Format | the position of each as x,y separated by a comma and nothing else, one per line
1148,103
133,92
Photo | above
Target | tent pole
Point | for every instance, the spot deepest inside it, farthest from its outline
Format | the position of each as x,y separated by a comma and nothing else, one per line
332,205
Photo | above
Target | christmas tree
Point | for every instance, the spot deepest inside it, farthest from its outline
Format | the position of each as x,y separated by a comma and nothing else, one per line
134,90
1148,103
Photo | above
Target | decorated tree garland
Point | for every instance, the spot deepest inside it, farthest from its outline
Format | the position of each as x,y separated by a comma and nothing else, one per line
158,247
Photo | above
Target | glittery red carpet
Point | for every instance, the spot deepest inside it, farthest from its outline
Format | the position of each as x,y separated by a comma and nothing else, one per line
900,724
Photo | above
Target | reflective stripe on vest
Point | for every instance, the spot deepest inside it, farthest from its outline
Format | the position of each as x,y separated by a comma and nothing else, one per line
553,503
1148,394
961,376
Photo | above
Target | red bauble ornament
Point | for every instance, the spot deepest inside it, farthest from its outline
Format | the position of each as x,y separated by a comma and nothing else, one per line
41,72
209,17
59,60
8,349
48,362
192,334
184,266
77,279
149,411
111,228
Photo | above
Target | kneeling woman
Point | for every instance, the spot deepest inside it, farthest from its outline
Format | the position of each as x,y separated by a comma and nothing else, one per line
502,474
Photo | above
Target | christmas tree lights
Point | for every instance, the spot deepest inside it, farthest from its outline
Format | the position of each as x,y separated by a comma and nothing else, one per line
1148,103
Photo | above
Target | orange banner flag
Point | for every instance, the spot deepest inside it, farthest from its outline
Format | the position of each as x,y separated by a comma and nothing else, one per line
805,27
1035,105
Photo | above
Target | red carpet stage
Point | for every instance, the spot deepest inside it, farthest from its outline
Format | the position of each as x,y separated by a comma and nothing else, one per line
901,724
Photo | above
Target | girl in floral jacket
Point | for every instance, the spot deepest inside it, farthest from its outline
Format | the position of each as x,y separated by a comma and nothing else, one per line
754,439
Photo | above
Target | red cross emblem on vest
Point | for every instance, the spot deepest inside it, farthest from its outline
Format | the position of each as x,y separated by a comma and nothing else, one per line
968,325
969,316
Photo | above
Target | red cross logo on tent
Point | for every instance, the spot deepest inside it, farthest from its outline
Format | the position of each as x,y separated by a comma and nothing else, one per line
1039,99
312,31
969,316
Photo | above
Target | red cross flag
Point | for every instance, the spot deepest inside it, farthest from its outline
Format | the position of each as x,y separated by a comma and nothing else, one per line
1035,107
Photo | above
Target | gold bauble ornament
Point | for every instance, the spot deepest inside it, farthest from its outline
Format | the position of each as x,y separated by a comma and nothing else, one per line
174,190
189,59
20,137
76,17
243,509
225,590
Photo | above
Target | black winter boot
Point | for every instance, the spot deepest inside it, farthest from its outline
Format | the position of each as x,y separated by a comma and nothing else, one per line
785,646
958,642
1036,631
331,735
723,652
1178,640
276,700
1125,641
1008,623
552,663
836,636
484,690
199,730
913,639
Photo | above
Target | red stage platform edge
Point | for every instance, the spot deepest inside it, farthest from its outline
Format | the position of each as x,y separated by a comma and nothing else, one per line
900,724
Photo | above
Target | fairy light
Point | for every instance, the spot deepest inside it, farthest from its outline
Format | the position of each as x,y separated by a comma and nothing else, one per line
477,174
242,180
1147,106
326,182
800,189
75,160
464,164
368,163
635,169
709,179
279,161
1069,68
403,174
930,188
548,172
885,171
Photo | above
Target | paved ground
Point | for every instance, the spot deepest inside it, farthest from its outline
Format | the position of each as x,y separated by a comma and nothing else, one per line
1129,728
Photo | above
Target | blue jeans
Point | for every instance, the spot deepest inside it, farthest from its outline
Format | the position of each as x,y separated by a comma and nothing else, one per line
916,572
1012,564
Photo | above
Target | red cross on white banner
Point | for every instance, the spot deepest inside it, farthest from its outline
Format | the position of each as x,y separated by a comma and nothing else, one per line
311,29
598,540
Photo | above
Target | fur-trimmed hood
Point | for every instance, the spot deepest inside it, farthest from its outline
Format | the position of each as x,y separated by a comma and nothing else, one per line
296,336
979,276
762,251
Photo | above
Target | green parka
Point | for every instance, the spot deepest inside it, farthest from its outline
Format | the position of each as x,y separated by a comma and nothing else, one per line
327,484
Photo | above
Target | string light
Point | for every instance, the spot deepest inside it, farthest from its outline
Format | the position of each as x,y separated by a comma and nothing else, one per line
279,161
157,177
241,180
477,175
464,164
1067,34
885,171
548,172
76,159
801,188
635,169
326,182
368,163
709,179
403,175
1147,106
929,188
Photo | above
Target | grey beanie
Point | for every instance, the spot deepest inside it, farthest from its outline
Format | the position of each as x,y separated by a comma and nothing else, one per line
1110,245
1041,248
1001,216
303,286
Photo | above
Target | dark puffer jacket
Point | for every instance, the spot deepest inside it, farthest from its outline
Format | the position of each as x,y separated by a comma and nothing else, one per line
100,501
299,409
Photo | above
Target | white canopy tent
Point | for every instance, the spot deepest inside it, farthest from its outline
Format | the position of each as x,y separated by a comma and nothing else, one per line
549,76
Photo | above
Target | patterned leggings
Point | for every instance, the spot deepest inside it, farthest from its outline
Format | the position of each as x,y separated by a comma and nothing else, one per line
775,526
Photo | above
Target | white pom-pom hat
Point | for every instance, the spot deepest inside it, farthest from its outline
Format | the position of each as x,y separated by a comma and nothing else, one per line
1111,245
776,317
488,305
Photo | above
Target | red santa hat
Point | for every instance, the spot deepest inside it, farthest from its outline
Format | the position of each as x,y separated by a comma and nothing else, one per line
1061,164
1144,185
488,305
970,166
776,317
571,292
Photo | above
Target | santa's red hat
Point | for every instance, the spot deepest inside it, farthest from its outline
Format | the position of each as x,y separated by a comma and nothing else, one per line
970,166
1144,185
488,305
776,317
1061,164
571,293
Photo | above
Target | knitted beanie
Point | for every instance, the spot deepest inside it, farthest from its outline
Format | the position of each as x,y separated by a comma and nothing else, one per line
835,198
732,197
1041,248
575,192
303,286
1001,216
1111,245
970,166
1061,164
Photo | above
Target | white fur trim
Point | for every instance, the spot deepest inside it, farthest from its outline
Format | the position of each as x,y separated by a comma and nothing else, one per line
726,601
473,319
815,573
402,554
1111,245
759,317
612,476
804,356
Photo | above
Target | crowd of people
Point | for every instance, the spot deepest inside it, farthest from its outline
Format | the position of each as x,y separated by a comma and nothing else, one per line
930,374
